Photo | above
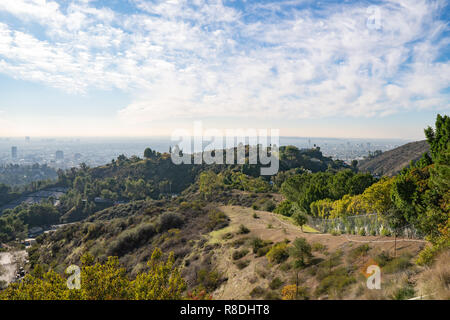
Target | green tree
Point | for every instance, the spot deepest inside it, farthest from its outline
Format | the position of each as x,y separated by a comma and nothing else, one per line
148,153
208,183
300,251
300,218
284,208
439,137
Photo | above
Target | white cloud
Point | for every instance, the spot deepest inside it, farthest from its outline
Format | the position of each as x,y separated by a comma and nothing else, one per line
201,58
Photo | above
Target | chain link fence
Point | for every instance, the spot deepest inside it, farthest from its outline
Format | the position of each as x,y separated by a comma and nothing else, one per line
364,225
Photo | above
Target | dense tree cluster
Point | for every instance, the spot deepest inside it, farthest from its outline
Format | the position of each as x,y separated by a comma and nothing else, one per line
19,175
419,196
306,188
14,223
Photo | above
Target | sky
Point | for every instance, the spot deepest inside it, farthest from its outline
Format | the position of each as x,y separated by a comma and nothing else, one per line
361,69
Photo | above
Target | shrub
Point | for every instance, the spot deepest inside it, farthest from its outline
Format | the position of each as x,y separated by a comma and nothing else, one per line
228,236
238,242
318,247
131,239
427,255
326,265
262,273
335,282
383,258
403,293
257,292
292,292
170,220
262,251
285,267
243,229
210,280
275,283
238,254
278,253
397,264
217,220
284,208
104,281
359,251
258,243
269,205
272,295
242,264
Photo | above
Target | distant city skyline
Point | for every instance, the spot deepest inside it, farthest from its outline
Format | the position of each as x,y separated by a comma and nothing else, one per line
99,151
347,69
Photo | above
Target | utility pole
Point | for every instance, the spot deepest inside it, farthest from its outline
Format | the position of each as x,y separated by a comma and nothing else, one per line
395,244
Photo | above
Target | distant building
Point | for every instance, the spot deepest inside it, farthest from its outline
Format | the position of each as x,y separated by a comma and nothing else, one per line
77,156
59,155
27,139
14,152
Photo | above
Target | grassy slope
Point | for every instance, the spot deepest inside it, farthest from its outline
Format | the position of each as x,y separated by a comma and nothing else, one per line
259,272
200,249
391,162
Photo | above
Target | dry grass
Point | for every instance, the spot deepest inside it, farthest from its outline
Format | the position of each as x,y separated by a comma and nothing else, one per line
260,272
434,283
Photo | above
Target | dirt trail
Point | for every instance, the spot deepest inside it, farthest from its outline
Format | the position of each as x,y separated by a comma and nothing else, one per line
270,226
283,229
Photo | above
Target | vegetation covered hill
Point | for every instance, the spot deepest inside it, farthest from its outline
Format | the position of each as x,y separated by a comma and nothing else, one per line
15,175
132,179
226,232
391,162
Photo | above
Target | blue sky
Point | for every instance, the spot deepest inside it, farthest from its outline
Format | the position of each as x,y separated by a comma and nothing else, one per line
376,69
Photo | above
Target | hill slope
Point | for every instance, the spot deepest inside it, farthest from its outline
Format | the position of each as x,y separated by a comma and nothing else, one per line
391,162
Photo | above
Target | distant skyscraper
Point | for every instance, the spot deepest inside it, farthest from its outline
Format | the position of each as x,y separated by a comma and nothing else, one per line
59,155
27,139
14,152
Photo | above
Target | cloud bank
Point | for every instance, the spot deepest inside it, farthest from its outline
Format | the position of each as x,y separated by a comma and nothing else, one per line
272,60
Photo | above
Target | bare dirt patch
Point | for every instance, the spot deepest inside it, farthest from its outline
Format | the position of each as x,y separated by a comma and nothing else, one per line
9,262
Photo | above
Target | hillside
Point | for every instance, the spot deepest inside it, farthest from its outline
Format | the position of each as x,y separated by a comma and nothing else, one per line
391,162
229,233
225,251
255,277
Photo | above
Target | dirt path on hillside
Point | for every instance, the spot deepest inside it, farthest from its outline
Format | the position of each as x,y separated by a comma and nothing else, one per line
273,227
283,229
